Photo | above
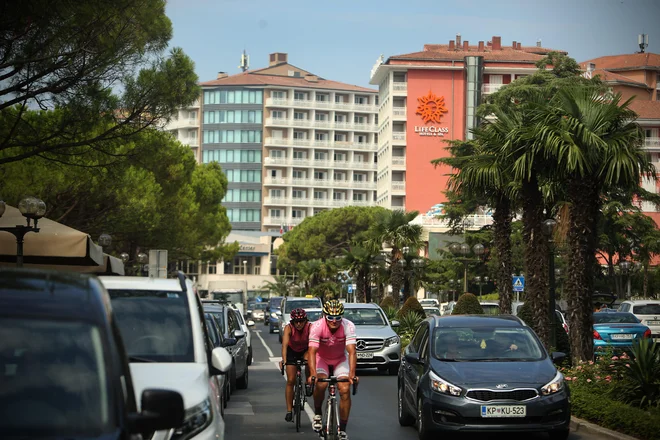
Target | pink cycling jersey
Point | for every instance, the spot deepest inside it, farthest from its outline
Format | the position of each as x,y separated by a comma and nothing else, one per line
331,346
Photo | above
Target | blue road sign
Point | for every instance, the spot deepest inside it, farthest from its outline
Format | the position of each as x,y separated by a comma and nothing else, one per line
519,284
350,288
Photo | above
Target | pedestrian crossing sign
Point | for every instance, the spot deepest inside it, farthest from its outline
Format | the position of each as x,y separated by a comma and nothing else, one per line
519,284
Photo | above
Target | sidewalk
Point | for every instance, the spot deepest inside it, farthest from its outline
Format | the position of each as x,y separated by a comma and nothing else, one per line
579,425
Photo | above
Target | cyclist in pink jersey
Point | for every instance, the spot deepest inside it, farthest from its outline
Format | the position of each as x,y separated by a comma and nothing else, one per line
295,342
332,345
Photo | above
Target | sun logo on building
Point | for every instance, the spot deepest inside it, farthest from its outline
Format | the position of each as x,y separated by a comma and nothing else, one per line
431,108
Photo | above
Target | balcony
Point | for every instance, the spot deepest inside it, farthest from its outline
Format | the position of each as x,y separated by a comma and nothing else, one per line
652,142
175,124
344,145
319,163
400,86
399,112
277,221
326,183
487,89
328,105
399,136
399,161
398,187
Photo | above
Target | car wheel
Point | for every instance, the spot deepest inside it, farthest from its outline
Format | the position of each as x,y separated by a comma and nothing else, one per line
422,430
249,359
242,383
559,435
405,418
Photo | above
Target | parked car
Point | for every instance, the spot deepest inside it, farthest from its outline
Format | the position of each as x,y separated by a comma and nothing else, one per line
378,346
314,314
460,373
63,366
162,324
245,326
647,311
490,307
430,311
429,302
273,312
617,330
293,302
257,311
235,342
220,382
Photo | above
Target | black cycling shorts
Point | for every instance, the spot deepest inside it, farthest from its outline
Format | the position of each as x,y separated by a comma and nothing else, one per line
294,355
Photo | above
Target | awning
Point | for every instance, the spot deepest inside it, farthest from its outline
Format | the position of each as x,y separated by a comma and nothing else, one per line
252,254
54,245
110,266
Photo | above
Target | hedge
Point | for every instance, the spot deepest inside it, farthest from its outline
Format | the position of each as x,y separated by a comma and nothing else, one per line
468,304
411,305
387,302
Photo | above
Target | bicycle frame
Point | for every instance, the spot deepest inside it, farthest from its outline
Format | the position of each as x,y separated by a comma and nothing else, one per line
298,390
330,430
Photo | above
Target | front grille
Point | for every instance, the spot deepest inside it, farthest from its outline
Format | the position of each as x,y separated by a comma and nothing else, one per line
370,344
488,395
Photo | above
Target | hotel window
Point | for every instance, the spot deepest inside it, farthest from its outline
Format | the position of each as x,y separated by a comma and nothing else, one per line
299,155
277,213
278,95
299,116
359,119
212,268
321,97
297,213
360,138
297,174
338,196
320,175
357,177
340,118
321,136
276,193
340,157
320,155
277,153
300,96
321,117
340,137
320,195
339,98
358,158
358,197
277,114
340,176
299,135
360,100
298,194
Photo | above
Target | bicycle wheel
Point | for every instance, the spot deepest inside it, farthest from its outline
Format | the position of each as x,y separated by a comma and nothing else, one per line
331,428
298,402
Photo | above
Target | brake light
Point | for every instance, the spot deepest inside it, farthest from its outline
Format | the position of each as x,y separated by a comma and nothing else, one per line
597,335
647,333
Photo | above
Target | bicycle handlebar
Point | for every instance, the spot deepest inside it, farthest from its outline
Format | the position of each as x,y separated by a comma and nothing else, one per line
297,362
335,380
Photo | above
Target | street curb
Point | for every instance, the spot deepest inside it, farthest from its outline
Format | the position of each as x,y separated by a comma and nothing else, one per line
578,425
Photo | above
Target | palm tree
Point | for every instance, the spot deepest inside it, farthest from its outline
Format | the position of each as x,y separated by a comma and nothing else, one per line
280,287
393,229
596,146
359,260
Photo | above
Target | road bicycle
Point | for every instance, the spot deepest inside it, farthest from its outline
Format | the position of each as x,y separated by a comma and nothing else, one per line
330,430
298,390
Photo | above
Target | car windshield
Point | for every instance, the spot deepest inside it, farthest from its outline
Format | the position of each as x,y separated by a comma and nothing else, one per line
53,379
427,302
481,344
301,304
647,309
364,316
275,303
491,309
259,306
615,318
314,315
431,311
154,324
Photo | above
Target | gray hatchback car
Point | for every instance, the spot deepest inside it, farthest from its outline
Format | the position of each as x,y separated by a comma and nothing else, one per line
481,374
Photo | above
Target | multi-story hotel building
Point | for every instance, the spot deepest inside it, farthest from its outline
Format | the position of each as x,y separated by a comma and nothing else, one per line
429,97
291,143
637,76
185,128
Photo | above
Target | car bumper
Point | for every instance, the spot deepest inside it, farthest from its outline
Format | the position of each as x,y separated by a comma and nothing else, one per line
543,414
385,357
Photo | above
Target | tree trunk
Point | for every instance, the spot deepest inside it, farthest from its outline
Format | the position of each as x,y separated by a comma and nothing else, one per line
645,286
361,285
407,280
536,259
502,238
581,241
396,280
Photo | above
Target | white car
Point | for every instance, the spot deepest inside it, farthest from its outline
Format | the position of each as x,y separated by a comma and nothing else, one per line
647,311
429,302
245,326
292,302
162,324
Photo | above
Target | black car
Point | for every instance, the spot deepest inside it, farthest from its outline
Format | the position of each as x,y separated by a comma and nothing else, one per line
63,369
481,373
218,340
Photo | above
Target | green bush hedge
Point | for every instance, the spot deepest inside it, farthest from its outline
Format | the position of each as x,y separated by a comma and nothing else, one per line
387,302
468,304
611,414
411,305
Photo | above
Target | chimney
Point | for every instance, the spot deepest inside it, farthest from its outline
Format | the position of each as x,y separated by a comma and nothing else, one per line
222,75
466,46
538,43
458,40
451,45
481,46
497,43
515,46
278,58
490,44
519,46
591,67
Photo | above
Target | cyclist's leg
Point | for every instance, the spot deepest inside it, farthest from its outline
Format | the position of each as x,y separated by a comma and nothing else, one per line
290,381
319,391
341,371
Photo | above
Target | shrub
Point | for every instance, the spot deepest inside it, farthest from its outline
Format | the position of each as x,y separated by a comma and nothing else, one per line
409,322
468,304
643,375
387,302
390,312
411,305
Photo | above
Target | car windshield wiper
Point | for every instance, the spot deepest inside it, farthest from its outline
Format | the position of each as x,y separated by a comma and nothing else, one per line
449,360
139,359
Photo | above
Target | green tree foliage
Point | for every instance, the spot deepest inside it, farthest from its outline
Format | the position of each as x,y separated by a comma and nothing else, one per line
325,235
82,77
468,304
411,305
159,199
282,286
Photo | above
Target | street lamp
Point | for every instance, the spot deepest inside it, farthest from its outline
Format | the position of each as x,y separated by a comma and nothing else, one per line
628,268
105,240
549,230
453,291
124,257
32,209
481,281
464,250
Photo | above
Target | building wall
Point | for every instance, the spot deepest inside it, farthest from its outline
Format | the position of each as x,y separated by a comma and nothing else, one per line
425,183
628,92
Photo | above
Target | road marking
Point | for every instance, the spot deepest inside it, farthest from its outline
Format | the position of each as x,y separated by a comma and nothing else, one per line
270,353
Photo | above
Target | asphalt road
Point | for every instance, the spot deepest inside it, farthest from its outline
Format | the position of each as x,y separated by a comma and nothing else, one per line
258,412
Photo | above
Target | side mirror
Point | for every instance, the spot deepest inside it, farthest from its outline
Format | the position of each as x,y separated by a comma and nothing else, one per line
413,358
558,357
220,360
160,409
278,313
230,342
394,324
250,323
238,334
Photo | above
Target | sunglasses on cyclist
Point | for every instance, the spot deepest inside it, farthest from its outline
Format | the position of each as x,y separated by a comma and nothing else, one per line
298,321
333,318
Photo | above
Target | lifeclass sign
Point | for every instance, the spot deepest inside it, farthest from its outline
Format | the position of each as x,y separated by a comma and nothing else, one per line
431,109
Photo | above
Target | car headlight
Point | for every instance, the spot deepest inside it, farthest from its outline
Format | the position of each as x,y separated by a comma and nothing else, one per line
392,341
273,315
442,386
196,419
554,386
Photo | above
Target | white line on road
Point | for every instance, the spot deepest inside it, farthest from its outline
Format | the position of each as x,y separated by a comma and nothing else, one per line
270,353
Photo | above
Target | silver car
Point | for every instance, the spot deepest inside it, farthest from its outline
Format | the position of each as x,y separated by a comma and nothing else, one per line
378,346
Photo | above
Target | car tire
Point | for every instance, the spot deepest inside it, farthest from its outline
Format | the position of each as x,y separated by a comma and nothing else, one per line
405,418
422,431
249,359
559,435
242,383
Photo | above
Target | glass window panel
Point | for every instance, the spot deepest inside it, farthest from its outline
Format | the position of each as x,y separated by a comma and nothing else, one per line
230,97
205,156
230,135
259,117
253,97
222,98
246,96
251,136
259,97
244,136
230,156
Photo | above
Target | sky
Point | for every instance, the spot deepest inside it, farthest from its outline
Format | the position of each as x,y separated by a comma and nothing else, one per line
342,39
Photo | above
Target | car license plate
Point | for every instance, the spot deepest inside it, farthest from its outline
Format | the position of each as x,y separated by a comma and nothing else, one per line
653,322
362,355
503,411
622,336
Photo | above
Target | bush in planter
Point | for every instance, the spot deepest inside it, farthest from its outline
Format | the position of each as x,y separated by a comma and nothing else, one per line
411,305
387,302
468,304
